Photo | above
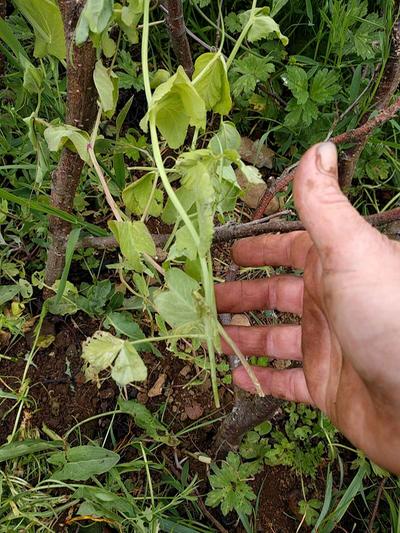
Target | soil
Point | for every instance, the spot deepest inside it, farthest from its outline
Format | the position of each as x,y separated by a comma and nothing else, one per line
57,396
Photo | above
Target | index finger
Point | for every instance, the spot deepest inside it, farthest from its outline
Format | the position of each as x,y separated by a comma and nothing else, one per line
289,250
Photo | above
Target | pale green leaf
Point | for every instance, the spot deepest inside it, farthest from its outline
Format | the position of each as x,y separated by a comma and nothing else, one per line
82,462
94,18
263,26
134,238
59,136
128,366
107,86
177,305
227,138
183,246
136,196
185,197
100,351
211,82
45,19
104,351
174,107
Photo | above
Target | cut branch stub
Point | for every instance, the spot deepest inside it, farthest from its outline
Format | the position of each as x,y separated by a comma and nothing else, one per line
80,112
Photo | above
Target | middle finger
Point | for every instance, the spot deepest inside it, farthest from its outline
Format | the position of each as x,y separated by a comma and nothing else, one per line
282,293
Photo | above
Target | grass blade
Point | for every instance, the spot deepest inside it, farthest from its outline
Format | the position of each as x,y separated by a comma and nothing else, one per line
27,447
69,253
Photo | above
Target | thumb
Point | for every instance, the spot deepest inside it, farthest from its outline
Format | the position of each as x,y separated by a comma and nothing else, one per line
336,228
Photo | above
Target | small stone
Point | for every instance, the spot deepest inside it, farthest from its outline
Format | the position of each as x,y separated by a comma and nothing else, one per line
157,388
256,153
185,370
253,192
194,410
240,320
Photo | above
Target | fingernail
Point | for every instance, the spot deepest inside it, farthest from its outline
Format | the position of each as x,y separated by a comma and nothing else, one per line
327,160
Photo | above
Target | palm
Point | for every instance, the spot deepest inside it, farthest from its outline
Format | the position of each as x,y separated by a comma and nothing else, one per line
335,305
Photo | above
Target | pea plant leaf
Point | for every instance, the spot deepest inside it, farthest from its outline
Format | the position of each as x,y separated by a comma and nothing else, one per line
263,26
104,351
129,17
134,239
107,86
174,107
210,79
45,18
82,462
59,136
94,18
136,196
177,305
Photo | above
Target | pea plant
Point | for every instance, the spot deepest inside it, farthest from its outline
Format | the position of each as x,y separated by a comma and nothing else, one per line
199,187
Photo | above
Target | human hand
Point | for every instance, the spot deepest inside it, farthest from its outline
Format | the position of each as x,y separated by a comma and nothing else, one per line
349,301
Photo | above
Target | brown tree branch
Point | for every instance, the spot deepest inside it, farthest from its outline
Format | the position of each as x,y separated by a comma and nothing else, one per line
349,158
387,87
358,134
232,232
177,28
81,112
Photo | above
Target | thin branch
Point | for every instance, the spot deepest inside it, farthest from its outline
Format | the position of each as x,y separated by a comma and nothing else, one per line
349,136
177,28
232,232
363,131
376,506
386,89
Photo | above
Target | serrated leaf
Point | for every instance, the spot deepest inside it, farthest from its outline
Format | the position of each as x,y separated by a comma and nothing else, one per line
45,19
174,107
210,79
296,80
59,136
107,86
324,86
82,462
136,196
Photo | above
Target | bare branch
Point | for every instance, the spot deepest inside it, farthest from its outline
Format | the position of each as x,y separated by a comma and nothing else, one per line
177,29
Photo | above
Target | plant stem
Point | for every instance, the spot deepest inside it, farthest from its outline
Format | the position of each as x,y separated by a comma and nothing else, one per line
243,361
242,36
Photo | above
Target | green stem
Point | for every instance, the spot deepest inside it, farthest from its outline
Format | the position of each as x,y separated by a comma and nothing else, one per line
242,36
206,277
145,51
